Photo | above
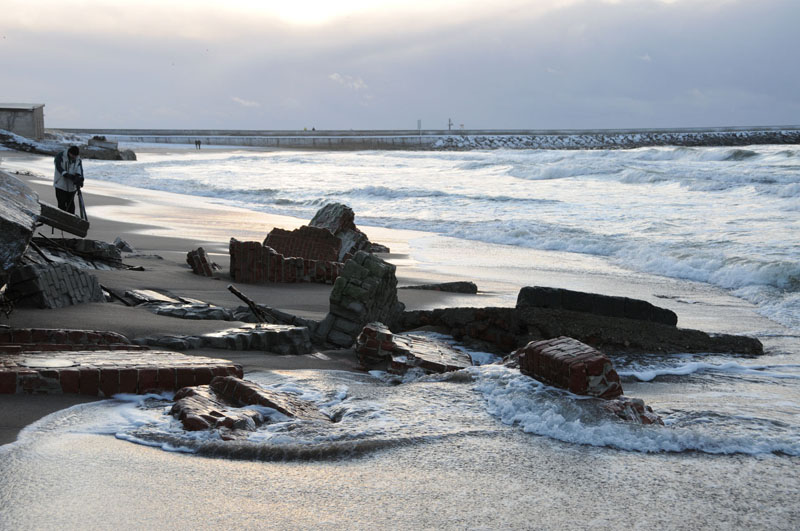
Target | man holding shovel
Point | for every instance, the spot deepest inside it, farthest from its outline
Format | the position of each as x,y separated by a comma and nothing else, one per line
69,179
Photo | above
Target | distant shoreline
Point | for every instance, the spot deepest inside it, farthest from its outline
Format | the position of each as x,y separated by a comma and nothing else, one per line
453,140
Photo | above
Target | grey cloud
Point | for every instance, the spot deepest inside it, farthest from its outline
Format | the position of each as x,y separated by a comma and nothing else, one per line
715,63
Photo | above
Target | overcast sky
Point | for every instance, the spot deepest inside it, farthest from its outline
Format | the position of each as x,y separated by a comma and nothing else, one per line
358,64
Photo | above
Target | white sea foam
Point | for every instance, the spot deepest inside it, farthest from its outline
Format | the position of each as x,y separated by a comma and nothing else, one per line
766,371
542,410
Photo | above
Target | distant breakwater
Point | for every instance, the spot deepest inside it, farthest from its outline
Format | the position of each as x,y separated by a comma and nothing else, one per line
457,140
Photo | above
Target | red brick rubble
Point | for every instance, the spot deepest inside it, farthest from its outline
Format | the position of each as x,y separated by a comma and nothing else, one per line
570,364
254,263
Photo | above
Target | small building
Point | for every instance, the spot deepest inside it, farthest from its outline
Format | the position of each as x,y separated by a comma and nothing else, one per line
24,119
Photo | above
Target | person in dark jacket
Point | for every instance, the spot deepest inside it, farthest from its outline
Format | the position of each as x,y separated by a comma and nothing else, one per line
68,178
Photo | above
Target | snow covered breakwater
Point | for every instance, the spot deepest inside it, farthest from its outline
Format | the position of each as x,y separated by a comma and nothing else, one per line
463,140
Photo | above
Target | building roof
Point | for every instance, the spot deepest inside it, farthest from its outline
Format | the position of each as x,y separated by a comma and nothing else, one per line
20,106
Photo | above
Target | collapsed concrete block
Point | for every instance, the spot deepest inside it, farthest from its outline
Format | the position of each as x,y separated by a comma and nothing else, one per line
53,286
376,345
450,287
366,291
569,364
610,306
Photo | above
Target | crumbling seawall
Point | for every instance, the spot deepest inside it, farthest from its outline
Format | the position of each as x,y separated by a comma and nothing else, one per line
462,139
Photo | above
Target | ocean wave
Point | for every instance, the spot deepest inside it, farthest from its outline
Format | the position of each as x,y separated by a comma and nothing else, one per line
542,410
741,154
766,371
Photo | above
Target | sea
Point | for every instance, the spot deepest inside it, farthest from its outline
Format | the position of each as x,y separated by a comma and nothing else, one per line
712,233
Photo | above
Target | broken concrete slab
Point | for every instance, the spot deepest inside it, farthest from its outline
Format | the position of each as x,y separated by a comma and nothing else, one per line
92,254
280,339
19,213
52,286
246,393
593,303
377,347
62,220
220,405
504,329
450,287
108,372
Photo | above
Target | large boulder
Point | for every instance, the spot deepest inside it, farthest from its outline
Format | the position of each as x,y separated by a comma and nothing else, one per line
376,346
569,364
365,291
19,212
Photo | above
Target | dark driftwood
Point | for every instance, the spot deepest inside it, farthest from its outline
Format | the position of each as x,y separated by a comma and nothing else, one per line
260,314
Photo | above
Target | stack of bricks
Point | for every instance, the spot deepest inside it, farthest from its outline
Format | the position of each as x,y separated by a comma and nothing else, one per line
17,340
307,242
199,262
53,286
569,364
254,263
106,373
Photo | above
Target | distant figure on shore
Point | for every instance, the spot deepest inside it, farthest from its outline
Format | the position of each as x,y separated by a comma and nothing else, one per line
197,144
68,178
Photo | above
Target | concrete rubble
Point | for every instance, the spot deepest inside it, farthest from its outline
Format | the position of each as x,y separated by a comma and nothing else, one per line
313,243
19,212
255,263
377,347
572,365
52,286
280,339
537,318
366,291
311,253
569,364
220,404
200,263
450,287
339,219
